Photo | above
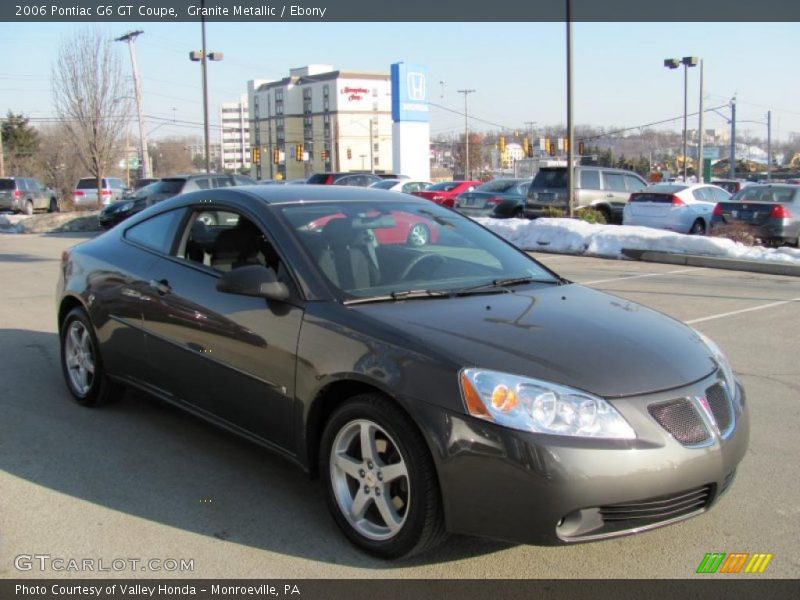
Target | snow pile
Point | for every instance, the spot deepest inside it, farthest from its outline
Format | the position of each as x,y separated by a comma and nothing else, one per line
572,236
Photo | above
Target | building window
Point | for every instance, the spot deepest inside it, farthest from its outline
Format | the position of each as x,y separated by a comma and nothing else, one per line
326,91
374,92
376,161
375,147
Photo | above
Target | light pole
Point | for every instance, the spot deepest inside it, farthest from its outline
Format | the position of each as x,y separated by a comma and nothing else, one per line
570,125
674,63
203,57
466,133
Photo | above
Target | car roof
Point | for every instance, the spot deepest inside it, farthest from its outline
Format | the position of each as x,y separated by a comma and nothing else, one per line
282,194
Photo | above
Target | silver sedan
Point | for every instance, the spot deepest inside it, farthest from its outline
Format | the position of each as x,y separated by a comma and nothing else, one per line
679,207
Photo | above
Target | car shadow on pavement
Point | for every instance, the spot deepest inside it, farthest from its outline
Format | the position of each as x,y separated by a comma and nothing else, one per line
148,459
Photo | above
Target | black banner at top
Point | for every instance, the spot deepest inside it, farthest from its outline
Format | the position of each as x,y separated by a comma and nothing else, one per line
92,11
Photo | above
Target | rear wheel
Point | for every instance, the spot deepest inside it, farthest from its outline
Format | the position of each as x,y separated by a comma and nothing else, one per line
29,207
419,235
53,206
381,484
81,362
519,213
698,228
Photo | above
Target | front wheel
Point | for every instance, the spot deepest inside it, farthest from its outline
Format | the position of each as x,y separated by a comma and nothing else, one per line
53,208
380,480
419,235
80,361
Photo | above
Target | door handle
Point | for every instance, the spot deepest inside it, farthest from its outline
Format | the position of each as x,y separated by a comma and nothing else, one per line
162,286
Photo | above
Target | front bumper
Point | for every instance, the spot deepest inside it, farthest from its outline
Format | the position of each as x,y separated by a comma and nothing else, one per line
550,490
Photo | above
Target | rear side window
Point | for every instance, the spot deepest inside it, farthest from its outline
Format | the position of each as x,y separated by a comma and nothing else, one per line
219,182
634,184
550,178
157,232
169,186
614,182
703,194
590,179
655,198
719,194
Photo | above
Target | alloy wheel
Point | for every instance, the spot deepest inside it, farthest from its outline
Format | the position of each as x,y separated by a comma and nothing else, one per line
79,357
370,480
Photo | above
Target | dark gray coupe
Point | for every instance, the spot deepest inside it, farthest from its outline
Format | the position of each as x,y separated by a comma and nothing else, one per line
459,386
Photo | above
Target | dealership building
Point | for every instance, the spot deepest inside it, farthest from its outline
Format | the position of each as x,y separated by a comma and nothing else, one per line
320,119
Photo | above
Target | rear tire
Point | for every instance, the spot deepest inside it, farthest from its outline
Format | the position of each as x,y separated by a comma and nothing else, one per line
53,208
519,213
81,363
419,235
28,208
380,481
698,228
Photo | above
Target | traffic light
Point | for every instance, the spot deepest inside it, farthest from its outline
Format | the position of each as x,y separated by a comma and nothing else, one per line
276,156
324,155
566,145
255,155
349,154
501,144
552,147
581,148
526,146
298,152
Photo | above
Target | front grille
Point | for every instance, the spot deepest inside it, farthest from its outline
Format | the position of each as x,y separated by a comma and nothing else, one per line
632,515
681,420
720,405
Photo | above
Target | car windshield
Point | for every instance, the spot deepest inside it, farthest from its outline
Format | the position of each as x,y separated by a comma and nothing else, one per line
443,187
384,184
145,191
401,247
550,178
169,186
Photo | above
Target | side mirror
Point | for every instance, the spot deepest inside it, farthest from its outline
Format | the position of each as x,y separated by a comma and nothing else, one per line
253,280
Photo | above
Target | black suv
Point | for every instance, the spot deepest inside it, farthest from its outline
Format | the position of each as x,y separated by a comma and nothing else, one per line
163,189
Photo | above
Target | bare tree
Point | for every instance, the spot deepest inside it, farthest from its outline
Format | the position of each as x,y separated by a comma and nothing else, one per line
92,98
59,166
171,156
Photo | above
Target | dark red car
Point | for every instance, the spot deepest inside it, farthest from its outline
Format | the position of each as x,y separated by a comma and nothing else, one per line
404,229
445,193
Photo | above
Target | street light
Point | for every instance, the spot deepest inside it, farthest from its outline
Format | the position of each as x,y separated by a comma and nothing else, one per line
674,63
203,57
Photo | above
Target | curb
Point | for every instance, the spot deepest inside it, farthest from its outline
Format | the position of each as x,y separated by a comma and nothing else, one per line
694,260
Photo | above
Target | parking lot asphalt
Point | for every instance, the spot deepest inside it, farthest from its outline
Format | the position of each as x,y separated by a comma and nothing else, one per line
138,479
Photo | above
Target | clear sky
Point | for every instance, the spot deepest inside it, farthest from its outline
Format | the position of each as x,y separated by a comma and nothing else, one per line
517,69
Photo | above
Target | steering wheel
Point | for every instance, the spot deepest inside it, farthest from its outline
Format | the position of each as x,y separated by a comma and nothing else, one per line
435,261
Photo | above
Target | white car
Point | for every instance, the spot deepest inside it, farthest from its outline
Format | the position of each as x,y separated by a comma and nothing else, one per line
401,185
680,207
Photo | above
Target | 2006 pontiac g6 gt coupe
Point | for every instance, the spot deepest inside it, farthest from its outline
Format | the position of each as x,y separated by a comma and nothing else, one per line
452,386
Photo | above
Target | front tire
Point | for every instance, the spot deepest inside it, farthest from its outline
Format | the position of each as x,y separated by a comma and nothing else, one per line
419,235
81,363
53,208
380,480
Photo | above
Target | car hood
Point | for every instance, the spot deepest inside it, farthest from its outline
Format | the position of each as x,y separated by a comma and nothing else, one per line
569,334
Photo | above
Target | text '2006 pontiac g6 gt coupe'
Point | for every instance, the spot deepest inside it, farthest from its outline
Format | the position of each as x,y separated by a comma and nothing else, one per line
452,386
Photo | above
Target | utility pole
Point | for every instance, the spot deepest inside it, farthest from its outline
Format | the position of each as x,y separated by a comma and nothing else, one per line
733,138
769,145
466,133
700,158
570,125
2,159
130,37
371,154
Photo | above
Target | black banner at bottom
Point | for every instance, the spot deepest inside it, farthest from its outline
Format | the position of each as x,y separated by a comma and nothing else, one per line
416,589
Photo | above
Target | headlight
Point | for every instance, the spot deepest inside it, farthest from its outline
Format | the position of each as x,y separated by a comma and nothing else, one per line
722,361
540,407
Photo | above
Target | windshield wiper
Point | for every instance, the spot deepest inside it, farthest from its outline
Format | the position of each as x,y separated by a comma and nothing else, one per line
501,284
402,295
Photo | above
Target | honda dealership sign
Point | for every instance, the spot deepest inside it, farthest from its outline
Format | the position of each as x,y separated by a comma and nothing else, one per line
411,130
409,93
